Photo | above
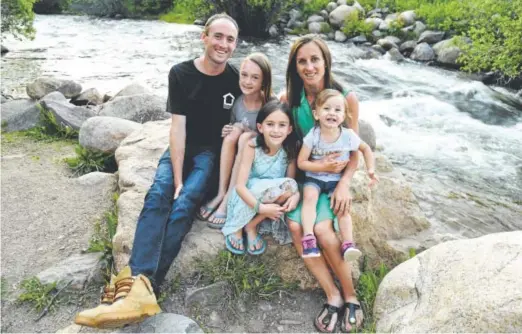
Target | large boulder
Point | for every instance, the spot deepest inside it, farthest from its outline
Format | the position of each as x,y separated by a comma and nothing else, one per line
104,133
340,14
45,85
19,115
138,108
331,6
315,18
67,114
367,134
419,28
314,27
423,52
448,51
133,89
90,96
464,286
340,36
388,212
394,55
77,269
407,47
387,44
374,21
431,37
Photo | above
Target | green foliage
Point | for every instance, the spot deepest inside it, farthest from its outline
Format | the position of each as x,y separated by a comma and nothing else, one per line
48,128
104,231
88,160
140,8
17,18
354,25
37,294
325,28
249,276
186,11
494,26
367,287
314,6
171,289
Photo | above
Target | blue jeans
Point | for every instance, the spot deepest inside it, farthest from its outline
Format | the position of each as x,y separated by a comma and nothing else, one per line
163,223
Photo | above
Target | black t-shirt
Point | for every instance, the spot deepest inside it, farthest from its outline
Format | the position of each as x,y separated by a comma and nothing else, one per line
206,102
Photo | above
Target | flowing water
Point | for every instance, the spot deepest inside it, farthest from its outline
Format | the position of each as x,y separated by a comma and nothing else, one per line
457,141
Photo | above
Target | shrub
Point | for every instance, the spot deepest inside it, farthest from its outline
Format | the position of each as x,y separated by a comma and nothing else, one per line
314,6
51,6
87,160
186,11
355,25
17,18
37,294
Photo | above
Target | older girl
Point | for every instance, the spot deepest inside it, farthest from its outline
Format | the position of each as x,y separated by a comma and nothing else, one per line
255,81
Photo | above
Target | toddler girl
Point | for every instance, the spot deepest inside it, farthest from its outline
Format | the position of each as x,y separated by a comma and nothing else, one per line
326,138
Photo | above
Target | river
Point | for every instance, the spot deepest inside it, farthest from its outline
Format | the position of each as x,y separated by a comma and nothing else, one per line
457,141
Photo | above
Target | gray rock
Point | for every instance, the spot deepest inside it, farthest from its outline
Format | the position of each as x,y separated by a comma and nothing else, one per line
391,17
19,115
324,14
105,133
374,21
315,18
376,34
272,31
407,18
74,328
367,133
294,24
54,96
209,295
331,6
394,55
368,53
359,39
419,28
423,52
68,114
331,35
106,182
90,96
393,39
132,89
431,37
199,22
4,49
379,49
138,108
406,30
449,56
342,2
340,14
79,269
384,25
295,14
377,12
164,323
450,277
387,44
407,47
340,36
45,85
314,27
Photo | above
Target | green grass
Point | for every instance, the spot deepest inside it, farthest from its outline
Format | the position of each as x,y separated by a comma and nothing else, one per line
104,231
171,289
88,160
36,294
251,277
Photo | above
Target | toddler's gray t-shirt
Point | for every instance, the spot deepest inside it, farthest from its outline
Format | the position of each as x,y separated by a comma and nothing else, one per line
348,141
240,114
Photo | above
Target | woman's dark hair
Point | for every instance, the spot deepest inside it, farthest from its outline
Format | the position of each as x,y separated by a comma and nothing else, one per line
290,142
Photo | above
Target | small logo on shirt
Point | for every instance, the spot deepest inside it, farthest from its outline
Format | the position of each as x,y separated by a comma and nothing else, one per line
228,100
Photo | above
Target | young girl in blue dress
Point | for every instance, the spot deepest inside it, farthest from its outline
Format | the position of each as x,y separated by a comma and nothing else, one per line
265,188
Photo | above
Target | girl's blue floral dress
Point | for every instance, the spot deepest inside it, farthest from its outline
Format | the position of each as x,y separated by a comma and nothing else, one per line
267,181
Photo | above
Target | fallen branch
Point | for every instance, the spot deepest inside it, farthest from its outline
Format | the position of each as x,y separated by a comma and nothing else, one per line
48,307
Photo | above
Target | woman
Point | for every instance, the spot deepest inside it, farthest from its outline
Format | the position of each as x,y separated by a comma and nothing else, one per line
308,73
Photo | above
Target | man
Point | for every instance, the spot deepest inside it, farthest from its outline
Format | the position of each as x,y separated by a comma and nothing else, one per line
201,94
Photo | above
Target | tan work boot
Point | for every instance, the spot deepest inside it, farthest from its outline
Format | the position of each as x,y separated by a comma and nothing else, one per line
86,318
133,302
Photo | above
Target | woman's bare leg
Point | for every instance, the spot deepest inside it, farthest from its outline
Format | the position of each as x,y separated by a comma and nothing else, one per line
228,153
221,211
318,268
331,250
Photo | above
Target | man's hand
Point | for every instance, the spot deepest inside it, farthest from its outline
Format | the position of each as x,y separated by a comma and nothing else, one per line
178,191
226,130
341,199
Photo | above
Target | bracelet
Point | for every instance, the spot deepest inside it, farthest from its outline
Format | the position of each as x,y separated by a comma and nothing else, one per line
256,207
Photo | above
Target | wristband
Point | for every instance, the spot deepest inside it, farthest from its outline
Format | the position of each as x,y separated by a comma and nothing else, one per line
256,207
